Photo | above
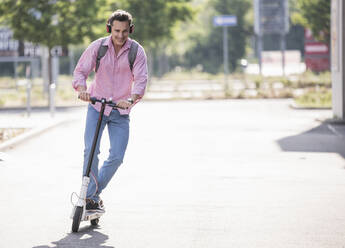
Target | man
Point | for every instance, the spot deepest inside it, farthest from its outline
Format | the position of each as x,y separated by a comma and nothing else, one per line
116,80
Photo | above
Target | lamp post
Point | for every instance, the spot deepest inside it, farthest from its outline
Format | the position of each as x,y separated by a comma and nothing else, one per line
225,21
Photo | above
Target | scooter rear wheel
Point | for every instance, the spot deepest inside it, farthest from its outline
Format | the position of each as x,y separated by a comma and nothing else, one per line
94,222
77,218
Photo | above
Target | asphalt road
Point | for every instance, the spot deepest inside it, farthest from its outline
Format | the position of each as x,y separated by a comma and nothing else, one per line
197,174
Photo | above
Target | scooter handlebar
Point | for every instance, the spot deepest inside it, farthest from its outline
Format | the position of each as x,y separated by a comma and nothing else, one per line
110,103
93,100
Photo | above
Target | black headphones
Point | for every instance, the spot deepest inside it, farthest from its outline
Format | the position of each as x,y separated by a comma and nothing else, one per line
131,27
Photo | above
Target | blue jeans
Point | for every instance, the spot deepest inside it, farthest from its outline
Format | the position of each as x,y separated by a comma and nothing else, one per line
118,129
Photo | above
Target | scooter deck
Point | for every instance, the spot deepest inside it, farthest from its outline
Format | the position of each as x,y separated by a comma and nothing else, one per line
93,214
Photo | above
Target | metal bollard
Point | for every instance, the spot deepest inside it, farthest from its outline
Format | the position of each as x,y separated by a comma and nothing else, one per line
52,99
28,98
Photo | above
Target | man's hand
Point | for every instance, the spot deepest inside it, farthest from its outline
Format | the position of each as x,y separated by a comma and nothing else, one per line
83,94
124,104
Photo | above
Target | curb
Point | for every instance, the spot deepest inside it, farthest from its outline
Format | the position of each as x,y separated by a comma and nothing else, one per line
30,134
40,108
293,105
334,121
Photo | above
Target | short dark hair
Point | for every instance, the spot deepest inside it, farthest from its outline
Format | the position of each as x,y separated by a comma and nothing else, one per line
120,15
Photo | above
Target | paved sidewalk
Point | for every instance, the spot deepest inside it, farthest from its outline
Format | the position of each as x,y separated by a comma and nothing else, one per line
40,120
197,174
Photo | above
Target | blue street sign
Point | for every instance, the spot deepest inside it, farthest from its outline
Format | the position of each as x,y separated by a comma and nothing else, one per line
225,20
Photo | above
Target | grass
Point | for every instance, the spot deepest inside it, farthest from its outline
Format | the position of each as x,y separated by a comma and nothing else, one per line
14,95
305,79
188,75
316,88
8,133
320,98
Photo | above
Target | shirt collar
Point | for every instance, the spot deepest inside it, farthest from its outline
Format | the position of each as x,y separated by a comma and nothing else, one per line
126,46
128,43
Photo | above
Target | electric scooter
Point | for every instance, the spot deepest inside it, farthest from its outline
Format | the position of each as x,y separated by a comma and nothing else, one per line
79,212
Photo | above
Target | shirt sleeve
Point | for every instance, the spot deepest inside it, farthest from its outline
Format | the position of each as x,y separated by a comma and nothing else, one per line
86,64
140,74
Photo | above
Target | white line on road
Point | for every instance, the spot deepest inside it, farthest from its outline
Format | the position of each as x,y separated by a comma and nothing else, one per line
333,130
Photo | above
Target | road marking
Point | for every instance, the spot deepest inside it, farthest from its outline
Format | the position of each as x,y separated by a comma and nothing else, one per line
333,130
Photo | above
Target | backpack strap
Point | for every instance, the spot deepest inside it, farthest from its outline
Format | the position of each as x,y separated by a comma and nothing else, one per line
132,54
102,50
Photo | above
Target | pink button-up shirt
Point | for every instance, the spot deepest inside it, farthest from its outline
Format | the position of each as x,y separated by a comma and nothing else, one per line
114,78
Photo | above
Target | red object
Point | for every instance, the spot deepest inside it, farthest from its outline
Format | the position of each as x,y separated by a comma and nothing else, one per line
316,54
316,48
317,64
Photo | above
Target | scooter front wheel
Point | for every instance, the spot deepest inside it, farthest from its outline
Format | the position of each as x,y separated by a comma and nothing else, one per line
77,218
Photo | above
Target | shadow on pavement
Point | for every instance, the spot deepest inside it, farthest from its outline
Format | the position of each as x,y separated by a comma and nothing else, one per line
86,237
326,137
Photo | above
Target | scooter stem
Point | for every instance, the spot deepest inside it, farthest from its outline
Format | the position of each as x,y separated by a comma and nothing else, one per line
95,138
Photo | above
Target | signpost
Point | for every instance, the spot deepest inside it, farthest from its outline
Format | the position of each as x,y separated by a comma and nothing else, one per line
225,21
271,17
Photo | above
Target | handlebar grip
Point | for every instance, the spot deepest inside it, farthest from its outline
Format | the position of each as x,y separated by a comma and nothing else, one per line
93,100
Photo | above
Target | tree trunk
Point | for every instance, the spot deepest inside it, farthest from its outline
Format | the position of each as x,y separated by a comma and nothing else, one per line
50,73
21,48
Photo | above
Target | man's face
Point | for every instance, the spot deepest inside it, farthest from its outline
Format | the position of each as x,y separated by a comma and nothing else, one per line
119,32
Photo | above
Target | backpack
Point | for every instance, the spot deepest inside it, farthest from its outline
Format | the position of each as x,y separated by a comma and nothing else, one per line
102,50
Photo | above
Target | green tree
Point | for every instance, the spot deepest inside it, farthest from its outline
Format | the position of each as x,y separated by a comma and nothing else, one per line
207,48
314,14
51,22
154,19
